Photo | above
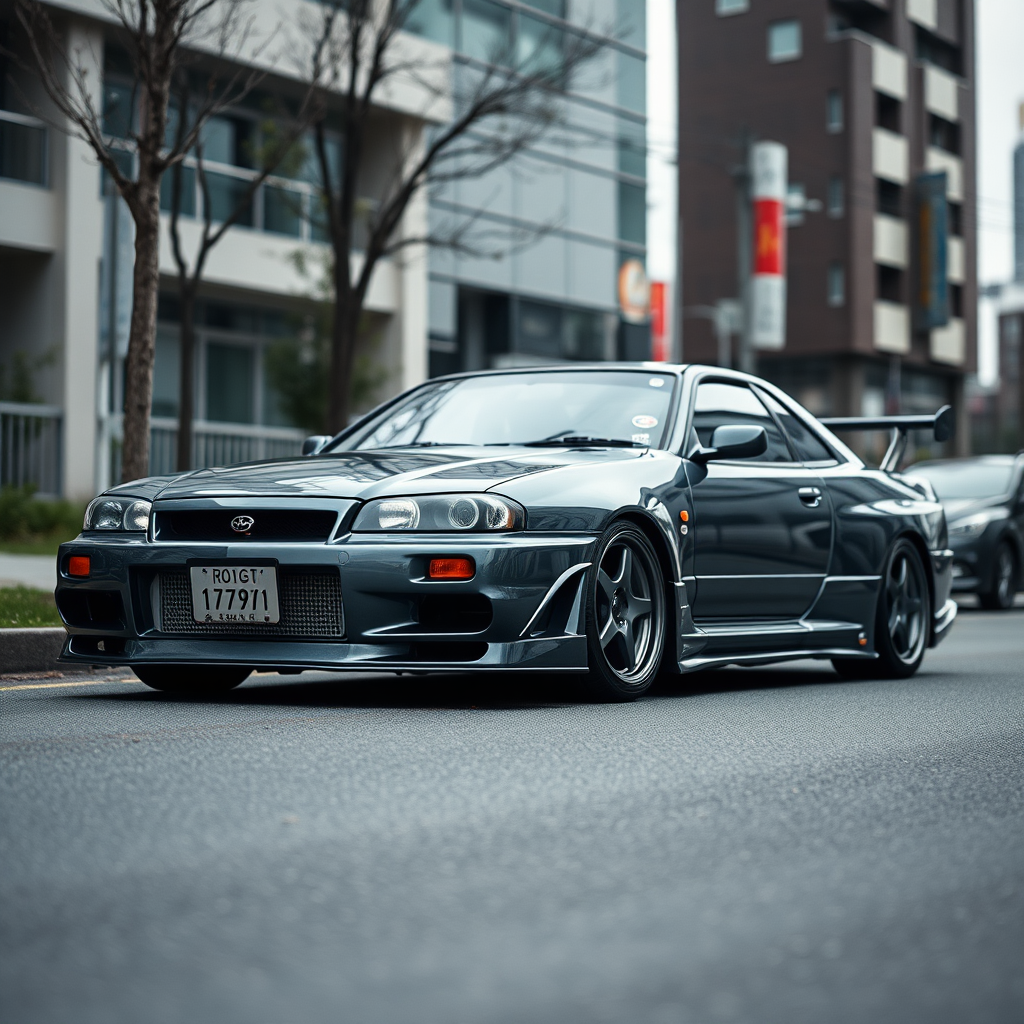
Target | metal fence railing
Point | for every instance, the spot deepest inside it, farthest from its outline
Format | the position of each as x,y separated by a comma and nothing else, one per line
30,447
213,444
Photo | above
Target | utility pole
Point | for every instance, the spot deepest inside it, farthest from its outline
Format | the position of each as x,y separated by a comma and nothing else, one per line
744,250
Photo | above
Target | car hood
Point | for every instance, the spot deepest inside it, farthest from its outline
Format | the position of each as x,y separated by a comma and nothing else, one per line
371,474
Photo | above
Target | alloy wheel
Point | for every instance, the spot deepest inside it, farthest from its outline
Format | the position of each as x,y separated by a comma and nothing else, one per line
1005,572
906,592
628,626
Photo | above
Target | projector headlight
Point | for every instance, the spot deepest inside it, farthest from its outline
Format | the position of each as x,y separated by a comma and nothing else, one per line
117,514
441,513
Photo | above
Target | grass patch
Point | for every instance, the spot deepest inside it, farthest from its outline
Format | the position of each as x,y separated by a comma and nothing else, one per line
31,526
25,607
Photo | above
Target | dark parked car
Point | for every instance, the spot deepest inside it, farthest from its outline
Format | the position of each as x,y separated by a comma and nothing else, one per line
984,502
612,520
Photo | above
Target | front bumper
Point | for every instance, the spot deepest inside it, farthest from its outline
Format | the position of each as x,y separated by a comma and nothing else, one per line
532,583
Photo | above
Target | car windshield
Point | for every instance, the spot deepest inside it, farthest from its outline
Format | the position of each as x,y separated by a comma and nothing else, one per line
961,480
621,406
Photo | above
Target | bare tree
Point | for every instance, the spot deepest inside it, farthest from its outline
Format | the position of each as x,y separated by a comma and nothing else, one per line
156,35
278,147
500,109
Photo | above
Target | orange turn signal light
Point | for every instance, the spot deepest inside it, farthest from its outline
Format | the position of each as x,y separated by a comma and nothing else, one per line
78,565
685,516
451,569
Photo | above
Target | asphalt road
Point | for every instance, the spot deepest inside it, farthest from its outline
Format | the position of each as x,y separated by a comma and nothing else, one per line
759,846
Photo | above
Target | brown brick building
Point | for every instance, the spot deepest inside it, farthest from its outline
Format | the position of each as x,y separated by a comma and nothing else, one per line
868,96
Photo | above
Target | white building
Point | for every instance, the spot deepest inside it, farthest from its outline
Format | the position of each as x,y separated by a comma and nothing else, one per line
65,268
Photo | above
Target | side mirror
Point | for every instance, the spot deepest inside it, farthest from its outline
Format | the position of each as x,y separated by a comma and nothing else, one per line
733,441
313,444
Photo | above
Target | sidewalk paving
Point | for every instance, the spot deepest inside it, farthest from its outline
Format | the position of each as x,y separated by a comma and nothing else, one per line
39,571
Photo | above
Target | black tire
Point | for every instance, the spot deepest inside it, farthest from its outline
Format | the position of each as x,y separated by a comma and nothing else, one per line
625,616
902,619
194,680
1003,588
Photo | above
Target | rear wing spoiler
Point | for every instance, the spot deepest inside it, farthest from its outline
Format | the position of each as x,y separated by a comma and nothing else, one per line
942,426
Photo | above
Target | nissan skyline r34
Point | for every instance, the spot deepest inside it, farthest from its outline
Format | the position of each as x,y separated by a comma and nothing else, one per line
617,521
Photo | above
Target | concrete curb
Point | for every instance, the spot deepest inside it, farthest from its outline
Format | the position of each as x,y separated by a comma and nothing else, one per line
31,650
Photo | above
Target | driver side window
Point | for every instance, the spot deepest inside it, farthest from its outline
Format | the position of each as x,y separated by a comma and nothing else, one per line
719,404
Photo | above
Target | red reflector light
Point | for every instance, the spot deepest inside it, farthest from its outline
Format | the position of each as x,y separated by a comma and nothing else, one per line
451,569
78,565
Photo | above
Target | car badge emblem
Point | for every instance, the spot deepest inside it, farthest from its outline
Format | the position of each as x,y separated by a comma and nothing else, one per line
242,524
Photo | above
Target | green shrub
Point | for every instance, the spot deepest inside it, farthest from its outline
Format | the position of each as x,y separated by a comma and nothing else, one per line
25,518
25,608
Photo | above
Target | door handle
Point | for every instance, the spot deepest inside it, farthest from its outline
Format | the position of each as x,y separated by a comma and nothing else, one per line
810,496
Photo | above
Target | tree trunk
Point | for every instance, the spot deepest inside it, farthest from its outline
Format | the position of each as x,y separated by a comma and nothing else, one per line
138,389
186,399
347,314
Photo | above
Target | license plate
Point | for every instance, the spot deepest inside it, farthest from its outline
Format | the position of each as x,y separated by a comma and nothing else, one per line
235,593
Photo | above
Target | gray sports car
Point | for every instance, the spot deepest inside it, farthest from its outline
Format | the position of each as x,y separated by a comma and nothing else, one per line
616,521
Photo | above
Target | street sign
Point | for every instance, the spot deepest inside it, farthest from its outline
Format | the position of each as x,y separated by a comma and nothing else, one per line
768,174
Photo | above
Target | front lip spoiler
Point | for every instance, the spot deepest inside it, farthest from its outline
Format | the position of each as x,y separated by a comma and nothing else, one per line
942,620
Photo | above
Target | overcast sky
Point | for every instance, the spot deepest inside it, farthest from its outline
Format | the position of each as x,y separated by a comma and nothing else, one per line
1000,70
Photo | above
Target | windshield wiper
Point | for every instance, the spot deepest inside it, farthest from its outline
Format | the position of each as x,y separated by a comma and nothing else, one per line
573,440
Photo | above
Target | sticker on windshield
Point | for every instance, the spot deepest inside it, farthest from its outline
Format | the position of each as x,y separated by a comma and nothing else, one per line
656,382
641,439
644,422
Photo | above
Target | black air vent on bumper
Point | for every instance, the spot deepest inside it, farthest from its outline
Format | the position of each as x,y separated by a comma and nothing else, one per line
268,524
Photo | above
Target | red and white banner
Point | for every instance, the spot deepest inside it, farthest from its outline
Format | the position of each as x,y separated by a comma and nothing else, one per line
768,176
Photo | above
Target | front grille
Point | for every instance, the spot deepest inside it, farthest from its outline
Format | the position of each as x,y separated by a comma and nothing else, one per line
269,524
310,603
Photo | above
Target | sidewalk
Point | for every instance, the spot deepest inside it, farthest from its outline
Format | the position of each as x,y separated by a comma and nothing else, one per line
39,571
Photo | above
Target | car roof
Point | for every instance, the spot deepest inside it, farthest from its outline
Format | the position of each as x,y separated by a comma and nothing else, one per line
671,369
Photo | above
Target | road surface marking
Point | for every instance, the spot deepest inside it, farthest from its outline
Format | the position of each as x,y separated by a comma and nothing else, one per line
49,686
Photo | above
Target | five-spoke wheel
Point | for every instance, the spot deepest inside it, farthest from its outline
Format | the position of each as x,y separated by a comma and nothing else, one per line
903,620
625,615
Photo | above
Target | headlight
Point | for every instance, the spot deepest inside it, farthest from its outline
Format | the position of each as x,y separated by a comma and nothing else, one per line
972,526
117,514
441,513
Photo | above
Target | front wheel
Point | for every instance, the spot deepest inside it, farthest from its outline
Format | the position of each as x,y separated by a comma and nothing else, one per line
902,621
1003,589
625,615
194,680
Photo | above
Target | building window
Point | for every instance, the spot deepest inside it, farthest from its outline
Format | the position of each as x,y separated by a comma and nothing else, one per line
433,19
834,111
943,134
836,284
723,8
785,41
632,213
632,82
836,201
887,112
230,373
888,198
486,31
956,219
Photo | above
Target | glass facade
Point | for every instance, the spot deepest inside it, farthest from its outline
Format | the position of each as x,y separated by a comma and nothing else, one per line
558,220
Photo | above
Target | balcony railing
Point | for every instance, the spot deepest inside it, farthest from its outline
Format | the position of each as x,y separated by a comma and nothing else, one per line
30,447
23,148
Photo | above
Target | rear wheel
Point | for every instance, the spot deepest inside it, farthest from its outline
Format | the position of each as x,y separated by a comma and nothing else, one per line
625,616
192,679
902,622
1003,588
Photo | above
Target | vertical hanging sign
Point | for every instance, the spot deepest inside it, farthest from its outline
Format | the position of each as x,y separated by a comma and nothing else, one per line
931,309
768,180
